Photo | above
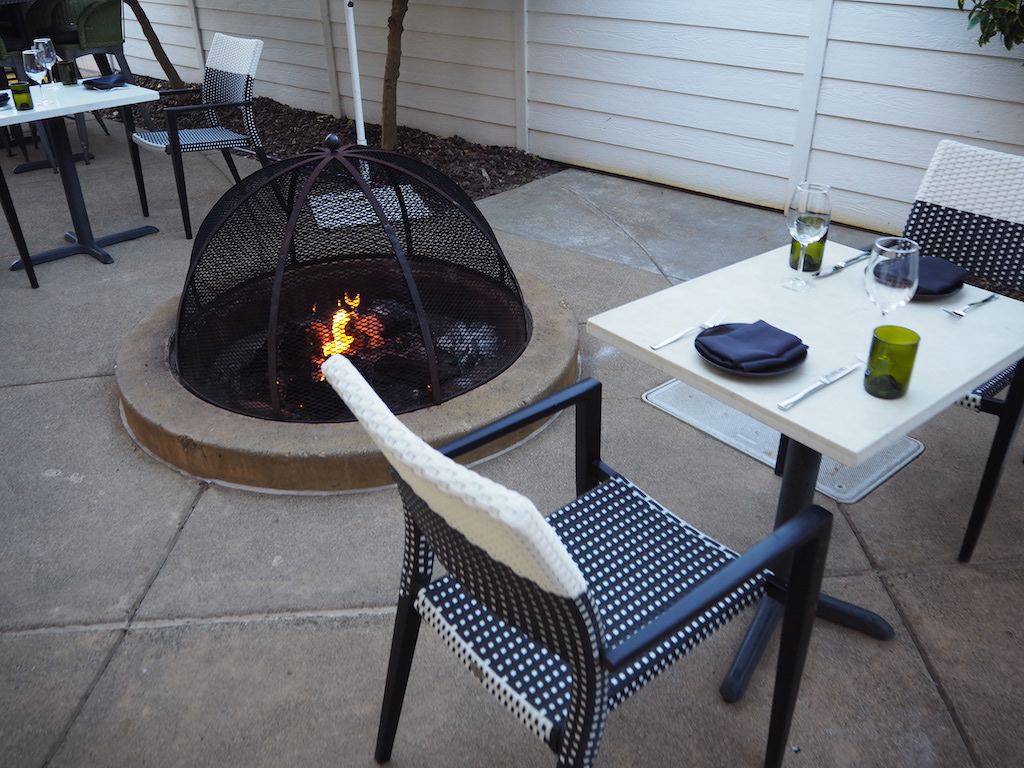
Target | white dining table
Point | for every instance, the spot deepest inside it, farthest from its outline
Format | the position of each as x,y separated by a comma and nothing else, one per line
835,319
69,100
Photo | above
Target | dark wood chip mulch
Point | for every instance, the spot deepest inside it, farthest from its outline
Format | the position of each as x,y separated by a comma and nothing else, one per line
479,170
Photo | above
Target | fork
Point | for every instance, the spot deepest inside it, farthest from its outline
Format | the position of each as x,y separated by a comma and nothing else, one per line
968,307
715,319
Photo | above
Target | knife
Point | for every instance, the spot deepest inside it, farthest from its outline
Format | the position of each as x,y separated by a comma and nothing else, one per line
824,381
844,264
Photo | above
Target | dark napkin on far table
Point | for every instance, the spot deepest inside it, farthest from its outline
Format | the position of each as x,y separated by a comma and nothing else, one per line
106,82
937,276
751,347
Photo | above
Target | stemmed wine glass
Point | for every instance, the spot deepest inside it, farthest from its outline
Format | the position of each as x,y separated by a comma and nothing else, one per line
808,216
46,54
891,276
34,68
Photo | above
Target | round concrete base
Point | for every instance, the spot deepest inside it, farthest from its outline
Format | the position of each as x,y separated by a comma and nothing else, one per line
209,443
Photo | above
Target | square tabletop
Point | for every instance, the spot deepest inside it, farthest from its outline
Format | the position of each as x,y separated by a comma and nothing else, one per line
72,99
835,319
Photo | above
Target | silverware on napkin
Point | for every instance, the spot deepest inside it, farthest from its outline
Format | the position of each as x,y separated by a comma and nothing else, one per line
844,264
824,381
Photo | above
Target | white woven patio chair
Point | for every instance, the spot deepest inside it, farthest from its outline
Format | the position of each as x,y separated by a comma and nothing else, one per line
563,618
227,84
969,210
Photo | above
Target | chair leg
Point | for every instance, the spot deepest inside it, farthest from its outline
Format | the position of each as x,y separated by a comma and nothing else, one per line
804,586
588,710
179,182
231,164
780,455
403,647
1010,416
261,153
44,137
101,121
83,136
128,119
103,63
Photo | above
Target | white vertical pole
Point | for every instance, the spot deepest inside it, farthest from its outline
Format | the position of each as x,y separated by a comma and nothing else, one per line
353,65
814,64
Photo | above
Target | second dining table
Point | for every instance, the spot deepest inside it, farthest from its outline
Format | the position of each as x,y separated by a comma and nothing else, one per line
835,319
69,100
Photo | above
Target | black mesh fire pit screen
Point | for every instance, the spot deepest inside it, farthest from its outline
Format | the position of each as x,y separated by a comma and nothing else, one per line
345,250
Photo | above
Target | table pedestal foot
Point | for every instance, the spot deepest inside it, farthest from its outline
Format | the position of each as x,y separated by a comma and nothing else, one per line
853,616
94,249
766,619
38,165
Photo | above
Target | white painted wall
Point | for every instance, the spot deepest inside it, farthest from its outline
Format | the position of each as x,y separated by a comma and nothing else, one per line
702,96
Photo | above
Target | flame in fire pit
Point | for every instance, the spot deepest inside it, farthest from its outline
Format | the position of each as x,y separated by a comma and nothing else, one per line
348,332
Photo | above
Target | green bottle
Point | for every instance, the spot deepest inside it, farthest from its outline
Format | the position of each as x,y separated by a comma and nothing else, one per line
22,95
812,257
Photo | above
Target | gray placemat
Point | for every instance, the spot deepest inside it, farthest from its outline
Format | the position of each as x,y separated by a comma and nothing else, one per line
746,434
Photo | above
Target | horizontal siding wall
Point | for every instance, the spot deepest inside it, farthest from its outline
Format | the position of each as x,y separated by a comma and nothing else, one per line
458,66
854,93
684,93
898,77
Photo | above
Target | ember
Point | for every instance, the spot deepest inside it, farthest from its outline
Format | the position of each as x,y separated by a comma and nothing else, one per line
349,332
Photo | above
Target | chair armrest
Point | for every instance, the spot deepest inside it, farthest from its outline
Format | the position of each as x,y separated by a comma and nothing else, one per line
586,396
197,107
179,92
805,536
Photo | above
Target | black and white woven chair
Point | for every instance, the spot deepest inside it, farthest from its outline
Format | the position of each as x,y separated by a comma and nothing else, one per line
564,618
969,210
227,84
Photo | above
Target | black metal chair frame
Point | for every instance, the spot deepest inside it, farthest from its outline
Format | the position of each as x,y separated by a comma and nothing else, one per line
796,550
959,213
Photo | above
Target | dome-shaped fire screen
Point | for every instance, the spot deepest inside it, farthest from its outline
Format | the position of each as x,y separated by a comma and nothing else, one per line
346,250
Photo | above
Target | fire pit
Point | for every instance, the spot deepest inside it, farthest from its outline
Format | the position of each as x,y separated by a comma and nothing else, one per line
340,251
345,250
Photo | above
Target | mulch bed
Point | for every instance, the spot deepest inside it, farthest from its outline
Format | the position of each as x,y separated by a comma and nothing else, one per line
479,170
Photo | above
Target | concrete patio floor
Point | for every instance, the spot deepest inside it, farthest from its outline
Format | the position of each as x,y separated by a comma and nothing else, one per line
147,618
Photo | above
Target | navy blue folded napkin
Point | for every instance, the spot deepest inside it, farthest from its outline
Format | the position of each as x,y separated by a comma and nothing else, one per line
750,347
106,82
4,98
937,276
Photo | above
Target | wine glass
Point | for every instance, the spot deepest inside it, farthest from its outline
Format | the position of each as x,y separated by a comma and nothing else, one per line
46,54
891,275
808,216
34,69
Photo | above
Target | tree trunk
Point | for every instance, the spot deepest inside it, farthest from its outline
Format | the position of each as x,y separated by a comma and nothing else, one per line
154,42
389,101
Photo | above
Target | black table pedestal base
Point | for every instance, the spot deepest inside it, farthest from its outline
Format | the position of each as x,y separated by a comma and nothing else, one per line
799,477
95,249
82,238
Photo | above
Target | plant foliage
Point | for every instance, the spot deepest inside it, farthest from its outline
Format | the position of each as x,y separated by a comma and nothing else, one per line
996,17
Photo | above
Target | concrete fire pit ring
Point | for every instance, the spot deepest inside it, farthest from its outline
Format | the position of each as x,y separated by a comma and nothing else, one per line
212,444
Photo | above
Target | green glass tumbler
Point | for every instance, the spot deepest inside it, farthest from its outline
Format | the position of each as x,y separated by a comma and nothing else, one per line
813,256
890,361
64,71
22,96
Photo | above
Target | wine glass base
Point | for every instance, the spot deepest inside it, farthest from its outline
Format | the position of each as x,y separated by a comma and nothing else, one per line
796,284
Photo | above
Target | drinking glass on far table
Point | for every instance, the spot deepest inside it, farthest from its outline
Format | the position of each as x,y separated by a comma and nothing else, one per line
808,216
34,69
891,275
46,53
